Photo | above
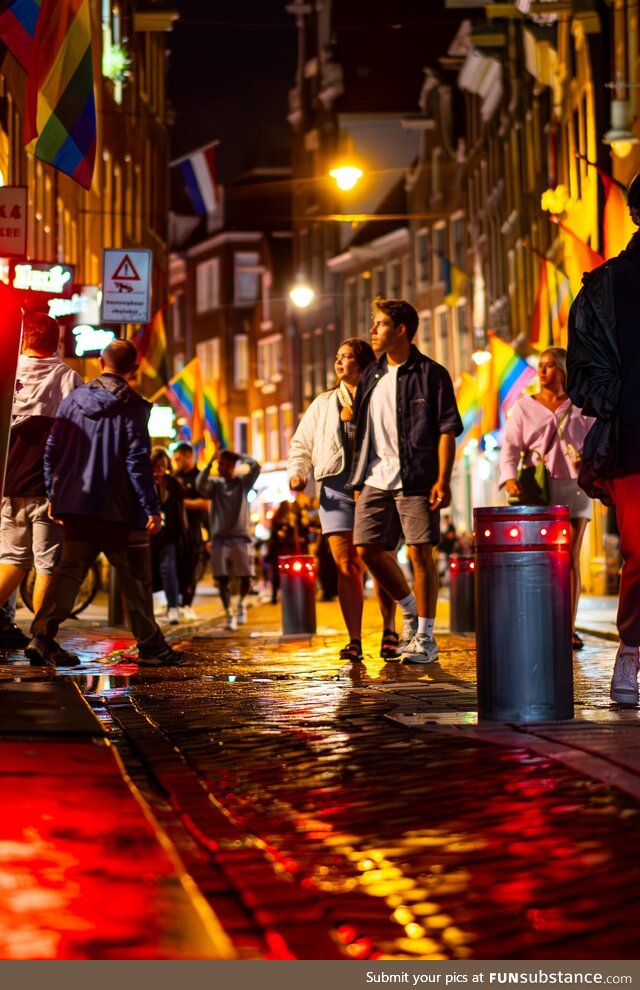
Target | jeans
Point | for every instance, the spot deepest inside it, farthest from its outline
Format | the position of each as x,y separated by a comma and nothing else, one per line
168,564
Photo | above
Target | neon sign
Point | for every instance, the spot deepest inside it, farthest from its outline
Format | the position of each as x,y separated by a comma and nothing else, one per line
54,280
91,340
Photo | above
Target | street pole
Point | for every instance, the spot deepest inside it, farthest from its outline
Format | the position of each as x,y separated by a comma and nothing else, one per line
10,333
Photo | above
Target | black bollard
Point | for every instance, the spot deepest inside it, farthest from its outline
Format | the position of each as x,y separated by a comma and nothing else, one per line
298,595
523,620
462,593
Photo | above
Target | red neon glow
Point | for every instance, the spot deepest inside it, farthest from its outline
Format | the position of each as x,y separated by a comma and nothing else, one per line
297,566
543,531
514,532
472,565
453,565
487,532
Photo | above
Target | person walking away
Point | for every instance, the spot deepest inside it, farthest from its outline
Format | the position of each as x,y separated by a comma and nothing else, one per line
548,426
28,536
99,482
197,509
324,441
168,544
603,378
229,526
406,423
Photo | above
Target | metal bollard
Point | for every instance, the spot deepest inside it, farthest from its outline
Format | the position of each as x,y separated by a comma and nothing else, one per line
523,620
298,595
462,593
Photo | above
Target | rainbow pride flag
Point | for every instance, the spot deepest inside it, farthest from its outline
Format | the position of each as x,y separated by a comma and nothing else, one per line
151,342
500,382
17,28
185,394
212,421
60,118
469,408
551,309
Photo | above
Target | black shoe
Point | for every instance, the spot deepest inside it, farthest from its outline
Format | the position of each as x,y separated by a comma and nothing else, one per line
42,651
164,656
12,636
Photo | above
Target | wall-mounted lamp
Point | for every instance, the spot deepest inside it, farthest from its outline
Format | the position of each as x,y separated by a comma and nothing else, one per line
301,295
620,136
346,176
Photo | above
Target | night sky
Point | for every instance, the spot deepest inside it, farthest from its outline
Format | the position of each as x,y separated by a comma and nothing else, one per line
232,64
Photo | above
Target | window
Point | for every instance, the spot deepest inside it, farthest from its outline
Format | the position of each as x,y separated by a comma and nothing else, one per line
422,258
393,279
247,272
240,362
379,283
208,285
457,238
270,359
424,339
286,427
209,357
241,434
350,309
307,369
272,433
443,342
464,337
439,251
257,435
318,360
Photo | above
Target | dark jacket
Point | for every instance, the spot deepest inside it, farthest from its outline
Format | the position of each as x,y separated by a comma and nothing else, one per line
426,408
97,459
603,369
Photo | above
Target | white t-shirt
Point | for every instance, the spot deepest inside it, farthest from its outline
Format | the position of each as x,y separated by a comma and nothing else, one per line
383,469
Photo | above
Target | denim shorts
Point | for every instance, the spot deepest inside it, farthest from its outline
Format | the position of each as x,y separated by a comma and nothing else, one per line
337,507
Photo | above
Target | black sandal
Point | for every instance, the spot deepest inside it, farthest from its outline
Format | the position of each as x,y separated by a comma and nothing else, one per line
352,651
576,642
390,645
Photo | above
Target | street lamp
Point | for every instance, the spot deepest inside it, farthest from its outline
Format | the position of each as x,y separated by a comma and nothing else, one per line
620,136
301,295
346,176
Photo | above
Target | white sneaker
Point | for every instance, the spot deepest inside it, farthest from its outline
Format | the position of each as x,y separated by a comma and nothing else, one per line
421,649
188,613
173,616
624,683
230,621
241,614
409,630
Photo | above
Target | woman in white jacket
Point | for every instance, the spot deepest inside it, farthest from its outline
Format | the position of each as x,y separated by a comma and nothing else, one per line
324,442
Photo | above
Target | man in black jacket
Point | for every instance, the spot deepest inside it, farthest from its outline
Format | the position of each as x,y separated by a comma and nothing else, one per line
603,365
100,485
406,424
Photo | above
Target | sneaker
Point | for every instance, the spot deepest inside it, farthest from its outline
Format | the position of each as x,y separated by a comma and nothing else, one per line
241,614
421,649
230,622
12,636
173,616
189,614
163,656
624,683
409,629
42,651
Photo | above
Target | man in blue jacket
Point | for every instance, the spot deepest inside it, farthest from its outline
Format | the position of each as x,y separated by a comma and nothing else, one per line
407,420
100,486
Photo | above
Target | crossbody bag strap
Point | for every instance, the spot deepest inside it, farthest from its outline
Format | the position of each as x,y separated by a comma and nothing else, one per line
558,432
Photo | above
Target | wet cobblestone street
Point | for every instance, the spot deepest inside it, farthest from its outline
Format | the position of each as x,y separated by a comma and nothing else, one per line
328,811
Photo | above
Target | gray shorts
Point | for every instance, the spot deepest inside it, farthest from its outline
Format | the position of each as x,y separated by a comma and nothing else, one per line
231,559
565,491
28,536
384,517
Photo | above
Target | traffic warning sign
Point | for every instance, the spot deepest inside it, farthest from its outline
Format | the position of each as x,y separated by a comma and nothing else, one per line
126,286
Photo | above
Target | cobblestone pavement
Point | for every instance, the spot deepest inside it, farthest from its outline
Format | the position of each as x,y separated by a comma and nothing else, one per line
329,811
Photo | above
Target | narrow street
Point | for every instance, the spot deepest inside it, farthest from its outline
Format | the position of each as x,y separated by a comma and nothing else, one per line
332,811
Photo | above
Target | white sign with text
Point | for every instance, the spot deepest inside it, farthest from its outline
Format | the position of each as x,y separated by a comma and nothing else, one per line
13,221
126,285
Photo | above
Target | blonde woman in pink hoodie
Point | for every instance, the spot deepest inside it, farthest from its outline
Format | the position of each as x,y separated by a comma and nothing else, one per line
549,422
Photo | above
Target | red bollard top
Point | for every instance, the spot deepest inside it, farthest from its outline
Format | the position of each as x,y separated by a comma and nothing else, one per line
521,527
298,566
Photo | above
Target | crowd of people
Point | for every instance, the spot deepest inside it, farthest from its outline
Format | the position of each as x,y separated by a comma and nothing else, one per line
380,445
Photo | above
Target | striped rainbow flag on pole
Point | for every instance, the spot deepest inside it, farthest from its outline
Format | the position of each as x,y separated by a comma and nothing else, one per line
212,422
510,373
185,394
60,121
469,409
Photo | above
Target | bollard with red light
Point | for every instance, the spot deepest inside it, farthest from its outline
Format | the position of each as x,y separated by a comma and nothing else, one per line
298,595
461,593
523,613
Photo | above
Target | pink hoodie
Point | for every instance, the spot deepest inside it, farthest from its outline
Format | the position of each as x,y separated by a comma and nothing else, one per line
532,427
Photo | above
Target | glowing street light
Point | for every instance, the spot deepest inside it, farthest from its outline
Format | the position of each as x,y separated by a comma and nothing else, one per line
346,176
301,295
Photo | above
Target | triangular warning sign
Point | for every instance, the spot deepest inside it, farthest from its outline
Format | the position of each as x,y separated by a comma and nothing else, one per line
126,271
